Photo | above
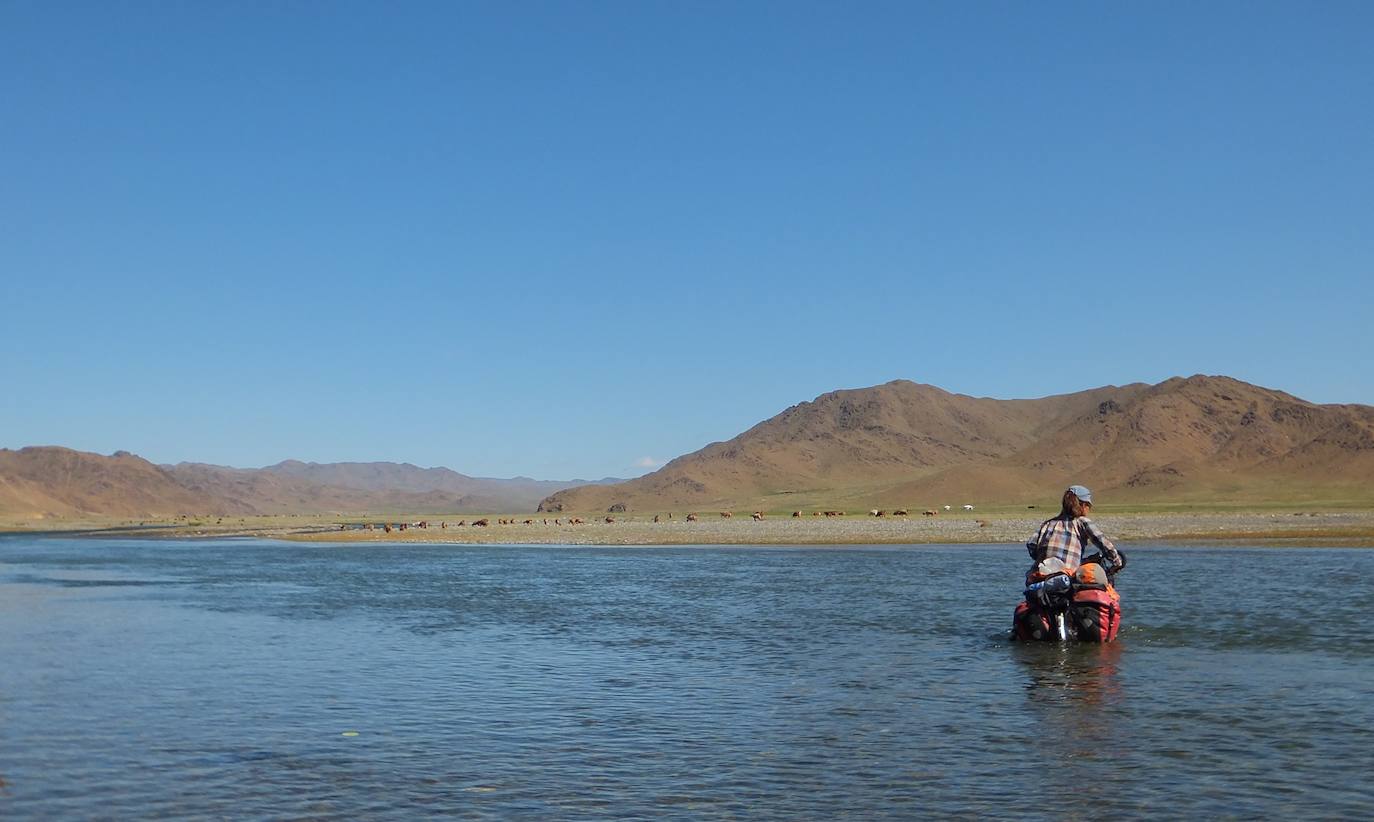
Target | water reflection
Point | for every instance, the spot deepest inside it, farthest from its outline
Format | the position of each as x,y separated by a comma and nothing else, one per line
1073,673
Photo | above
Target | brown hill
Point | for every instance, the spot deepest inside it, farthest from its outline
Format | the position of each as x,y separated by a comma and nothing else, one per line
907,444
470,493
54,482
60,482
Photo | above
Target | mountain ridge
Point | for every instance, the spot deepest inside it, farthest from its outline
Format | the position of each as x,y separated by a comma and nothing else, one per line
56,482
904,443
901,444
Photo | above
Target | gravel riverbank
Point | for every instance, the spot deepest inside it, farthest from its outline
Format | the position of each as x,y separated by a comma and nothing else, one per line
1318,529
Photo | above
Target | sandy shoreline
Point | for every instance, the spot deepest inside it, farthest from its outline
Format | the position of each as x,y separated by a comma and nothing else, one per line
1354,529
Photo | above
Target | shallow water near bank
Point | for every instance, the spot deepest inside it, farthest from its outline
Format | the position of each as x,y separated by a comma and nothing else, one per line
243,678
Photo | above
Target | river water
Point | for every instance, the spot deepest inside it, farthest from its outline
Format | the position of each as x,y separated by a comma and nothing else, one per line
249,679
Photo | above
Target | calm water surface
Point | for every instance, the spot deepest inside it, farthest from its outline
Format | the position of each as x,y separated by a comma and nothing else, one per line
142,679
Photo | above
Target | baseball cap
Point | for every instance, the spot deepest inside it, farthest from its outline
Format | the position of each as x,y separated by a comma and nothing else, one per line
1083,494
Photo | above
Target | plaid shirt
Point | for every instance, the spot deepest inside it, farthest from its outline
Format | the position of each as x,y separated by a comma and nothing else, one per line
1064,539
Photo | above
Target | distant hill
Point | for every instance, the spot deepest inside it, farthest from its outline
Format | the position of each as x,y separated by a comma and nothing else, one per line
906,444
60,482
1200,439
49,481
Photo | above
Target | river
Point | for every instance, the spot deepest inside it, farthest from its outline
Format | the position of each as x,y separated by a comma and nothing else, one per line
240,678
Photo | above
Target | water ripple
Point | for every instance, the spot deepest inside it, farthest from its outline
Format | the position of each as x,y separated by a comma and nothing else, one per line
263,680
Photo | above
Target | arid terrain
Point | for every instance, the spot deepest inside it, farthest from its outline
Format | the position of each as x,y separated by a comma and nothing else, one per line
1195,440
53,485
1201,444
1305,528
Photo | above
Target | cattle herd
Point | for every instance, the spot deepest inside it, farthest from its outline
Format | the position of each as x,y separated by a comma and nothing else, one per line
757,516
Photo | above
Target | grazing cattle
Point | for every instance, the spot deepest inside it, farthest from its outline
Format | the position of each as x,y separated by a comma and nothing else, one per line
577,521
691,517
655,517
834,513
462,522
815,513
874,512
796,513
758,515
946,507
900,512
481,523
529,522
982,523
726,515
968,507
610,520
930,513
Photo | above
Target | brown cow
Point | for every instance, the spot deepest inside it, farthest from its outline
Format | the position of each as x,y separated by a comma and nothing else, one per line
481,523
930,513
726,514
655,517
900,512
691,517
610,520
796,513
758,515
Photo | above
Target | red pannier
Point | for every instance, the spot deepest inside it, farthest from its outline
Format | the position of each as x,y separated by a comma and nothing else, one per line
1030,623
1096,613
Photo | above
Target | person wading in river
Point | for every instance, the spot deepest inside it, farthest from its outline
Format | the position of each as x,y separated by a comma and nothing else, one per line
1063,537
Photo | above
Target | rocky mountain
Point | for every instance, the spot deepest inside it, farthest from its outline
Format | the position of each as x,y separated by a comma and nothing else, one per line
906,444
1200,439
59,482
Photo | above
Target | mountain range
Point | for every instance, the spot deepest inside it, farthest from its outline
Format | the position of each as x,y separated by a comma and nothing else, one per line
1199,439
55,482
1195,439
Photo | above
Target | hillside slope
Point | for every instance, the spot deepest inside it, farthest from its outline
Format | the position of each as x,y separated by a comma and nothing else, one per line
906,444
49,481
53,482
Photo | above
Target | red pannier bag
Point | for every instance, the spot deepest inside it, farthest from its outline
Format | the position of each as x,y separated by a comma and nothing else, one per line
1096,613
1029,623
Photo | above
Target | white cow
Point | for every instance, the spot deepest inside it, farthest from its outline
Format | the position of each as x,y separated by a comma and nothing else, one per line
946,507
968,507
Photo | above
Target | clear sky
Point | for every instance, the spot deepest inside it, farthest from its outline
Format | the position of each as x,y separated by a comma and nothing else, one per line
562,239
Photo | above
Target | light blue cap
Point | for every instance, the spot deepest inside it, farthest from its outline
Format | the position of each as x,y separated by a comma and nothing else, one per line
1083,494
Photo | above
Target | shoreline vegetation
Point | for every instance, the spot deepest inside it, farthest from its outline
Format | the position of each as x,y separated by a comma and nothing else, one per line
1352,528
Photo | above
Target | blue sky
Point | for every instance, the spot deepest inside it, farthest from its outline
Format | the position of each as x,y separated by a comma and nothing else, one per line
555,239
